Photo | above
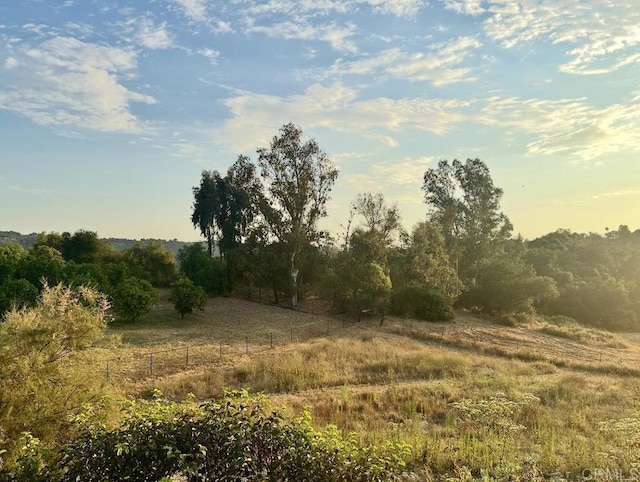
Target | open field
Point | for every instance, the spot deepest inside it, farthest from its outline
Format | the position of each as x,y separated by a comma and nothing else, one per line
515,401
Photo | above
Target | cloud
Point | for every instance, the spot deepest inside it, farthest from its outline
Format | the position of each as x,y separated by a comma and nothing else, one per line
570,126
211,54
441,63
399,8
469,7
337,107
600,36
617,194
145,32
407,171
195,10
10,63
337,36
65,82
153,36
401,179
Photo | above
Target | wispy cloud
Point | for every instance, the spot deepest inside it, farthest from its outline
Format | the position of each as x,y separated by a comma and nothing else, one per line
153,36
568,126
440,63
336,35
336,107
615,194
399,8
601,36
195,10
69,83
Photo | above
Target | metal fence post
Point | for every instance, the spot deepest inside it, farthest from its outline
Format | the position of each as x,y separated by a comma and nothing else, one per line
187,356
150,364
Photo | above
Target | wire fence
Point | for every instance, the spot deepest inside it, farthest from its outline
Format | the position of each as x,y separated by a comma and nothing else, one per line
136,366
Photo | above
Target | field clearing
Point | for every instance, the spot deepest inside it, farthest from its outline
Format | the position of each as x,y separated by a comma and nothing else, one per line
541,398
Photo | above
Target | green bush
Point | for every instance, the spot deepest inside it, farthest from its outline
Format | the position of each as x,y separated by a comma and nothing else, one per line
423,302
187,297
235,438
133,298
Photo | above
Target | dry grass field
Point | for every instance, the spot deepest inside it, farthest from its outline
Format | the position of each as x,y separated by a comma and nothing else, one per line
472,397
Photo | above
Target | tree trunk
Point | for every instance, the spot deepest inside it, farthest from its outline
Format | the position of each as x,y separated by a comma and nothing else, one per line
294,282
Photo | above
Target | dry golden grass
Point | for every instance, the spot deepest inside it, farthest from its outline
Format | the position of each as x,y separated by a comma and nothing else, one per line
406,381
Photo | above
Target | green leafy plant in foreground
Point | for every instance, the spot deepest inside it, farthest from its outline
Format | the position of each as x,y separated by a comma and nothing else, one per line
237,437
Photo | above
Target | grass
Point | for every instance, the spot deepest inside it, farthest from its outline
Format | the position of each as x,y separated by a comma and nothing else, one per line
568,328
473,399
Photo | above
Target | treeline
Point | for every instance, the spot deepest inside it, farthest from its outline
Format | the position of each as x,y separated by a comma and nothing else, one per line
264,218
260,222
128,277
120,244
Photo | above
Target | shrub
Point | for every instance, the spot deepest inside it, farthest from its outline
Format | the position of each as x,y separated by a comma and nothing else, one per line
187,297
46,372
235,438
423,302
133,298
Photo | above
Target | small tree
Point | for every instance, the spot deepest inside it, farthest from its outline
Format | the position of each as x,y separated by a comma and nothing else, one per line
187,297
133,298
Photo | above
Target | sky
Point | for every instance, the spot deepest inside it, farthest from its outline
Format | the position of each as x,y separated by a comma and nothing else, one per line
110,110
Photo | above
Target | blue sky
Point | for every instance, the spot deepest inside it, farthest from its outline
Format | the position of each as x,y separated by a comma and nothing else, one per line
110,110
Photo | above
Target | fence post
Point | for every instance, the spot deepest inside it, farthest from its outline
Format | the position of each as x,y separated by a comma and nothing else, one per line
187,361
108,370
150,364
220,349
291,334
246,344
271,341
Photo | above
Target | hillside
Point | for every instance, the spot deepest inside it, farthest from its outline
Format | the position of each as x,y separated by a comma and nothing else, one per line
471,393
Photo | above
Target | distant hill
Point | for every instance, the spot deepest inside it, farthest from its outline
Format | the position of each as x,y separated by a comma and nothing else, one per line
24,240
120,244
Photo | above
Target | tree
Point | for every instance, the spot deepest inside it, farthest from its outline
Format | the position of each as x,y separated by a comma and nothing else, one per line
225,207
203,270
299,177
151,261
466,205
17,293
41,263
45,374
82,247
508,285
423,260
133,298
10,257
204,206
377,215
187,297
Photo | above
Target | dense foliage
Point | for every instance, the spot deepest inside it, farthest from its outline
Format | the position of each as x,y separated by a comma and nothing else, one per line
237,437
187,297
133,298
422,302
